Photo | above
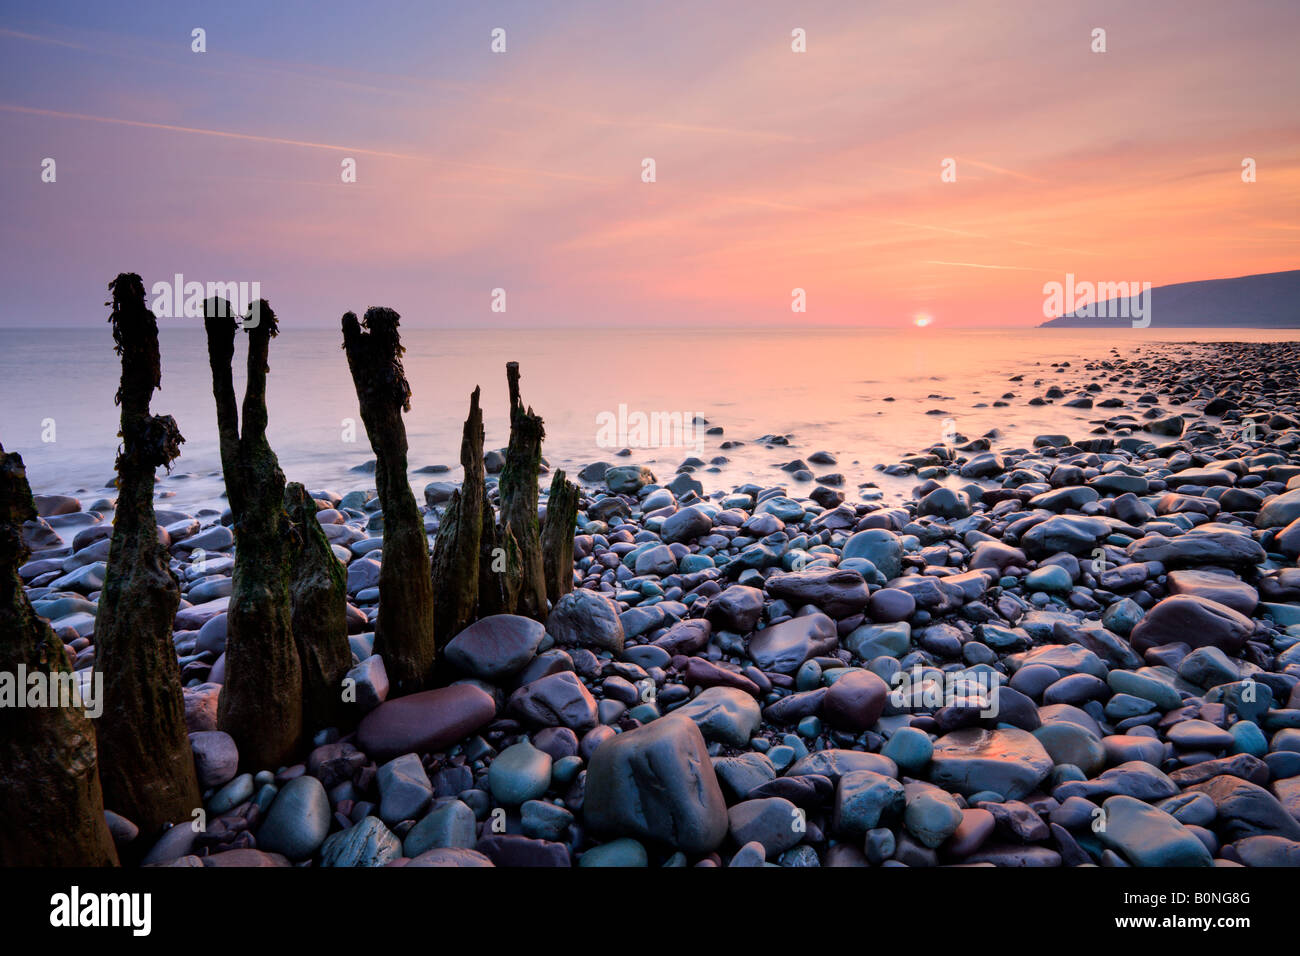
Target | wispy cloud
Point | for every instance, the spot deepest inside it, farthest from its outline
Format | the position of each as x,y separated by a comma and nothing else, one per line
34,38
819,170
980,265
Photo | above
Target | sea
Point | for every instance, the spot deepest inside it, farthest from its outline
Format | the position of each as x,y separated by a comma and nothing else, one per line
868,396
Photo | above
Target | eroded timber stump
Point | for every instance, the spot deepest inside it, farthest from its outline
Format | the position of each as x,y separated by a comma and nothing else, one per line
51,806
145,760
405,626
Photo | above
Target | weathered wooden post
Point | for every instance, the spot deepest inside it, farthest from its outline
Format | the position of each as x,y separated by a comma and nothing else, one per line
456,549
261,702
525,584
145,760
320,615
404,630
51,806
557,536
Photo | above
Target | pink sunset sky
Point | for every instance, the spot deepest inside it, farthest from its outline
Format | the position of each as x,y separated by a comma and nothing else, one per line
522,170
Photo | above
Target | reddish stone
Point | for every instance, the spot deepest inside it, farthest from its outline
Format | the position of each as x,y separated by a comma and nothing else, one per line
422,723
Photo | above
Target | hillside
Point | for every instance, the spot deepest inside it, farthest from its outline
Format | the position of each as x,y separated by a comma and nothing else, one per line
1266,301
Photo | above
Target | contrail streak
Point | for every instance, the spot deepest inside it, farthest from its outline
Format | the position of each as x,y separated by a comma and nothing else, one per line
304,144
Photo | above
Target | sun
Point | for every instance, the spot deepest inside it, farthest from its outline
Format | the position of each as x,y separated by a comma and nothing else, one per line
922,319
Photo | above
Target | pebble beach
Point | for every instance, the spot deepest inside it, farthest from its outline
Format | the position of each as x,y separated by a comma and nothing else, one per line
1078,650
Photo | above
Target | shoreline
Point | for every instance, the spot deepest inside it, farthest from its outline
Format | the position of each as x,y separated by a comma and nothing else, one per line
1113,596
843,407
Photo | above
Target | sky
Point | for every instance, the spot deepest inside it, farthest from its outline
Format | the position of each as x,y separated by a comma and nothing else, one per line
524,170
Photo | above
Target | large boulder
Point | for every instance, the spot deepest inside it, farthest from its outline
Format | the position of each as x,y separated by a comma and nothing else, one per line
1147,836
1279,510
515,850
865,800
404,789
685,637
556,700
298,821
1246,809
628,479
658,560
855,701
243,859
584,618
520,773
1228,548
784,647
984,465
424,722
880,546
1194,621
496,647
1007,761
201,706
724,715
739,608
1071,533
216,758
945,503
774,823
657,783
1226,589
932,815
836,763
686,525
368,843
840,593
871,641
450,856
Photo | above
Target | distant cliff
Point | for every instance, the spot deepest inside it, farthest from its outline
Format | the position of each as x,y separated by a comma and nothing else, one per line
1267,301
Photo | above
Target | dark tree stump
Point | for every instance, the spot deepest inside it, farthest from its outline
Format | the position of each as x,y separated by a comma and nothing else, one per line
456,550
557,536
524,581
491,563
51,804
320,616
404,630
145,760
261,703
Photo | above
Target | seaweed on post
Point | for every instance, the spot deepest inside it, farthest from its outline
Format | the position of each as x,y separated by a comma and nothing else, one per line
557,536
404,629
524,581
491,562
52,808
320,608
146,764
261,702
456,553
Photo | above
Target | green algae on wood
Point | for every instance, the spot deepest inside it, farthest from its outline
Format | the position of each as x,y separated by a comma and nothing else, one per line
557,536
404,628
456,552
52,804
492,562
145,761
261,703
524,583
320,608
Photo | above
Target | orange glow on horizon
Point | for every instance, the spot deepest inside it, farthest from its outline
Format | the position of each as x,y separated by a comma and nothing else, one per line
826,170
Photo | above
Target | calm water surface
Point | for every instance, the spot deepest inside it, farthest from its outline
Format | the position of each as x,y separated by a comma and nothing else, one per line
826,388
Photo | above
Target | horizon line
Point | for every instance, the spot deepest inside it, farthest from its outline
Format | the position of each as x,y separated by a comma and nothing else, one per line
935,327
